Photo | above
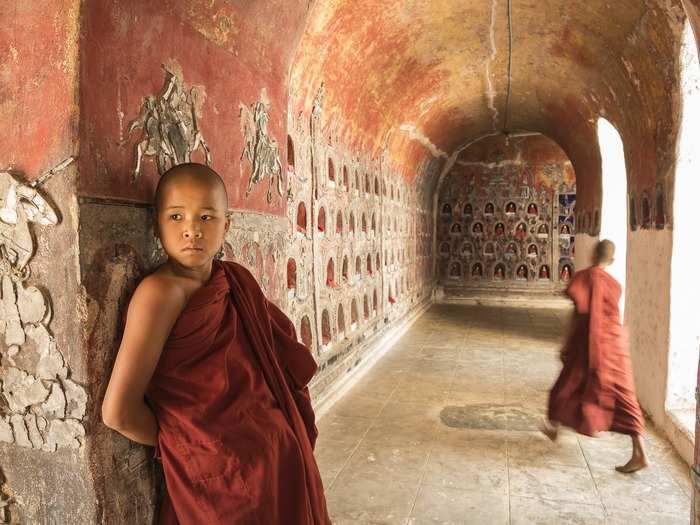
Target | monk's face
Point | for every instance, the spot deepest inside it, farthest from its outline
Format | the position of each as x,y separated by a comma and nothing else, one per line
192,220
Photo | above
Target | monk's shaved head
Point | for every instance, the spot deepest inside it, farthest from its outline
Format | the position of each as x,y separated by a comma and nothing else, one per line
604,252
190,172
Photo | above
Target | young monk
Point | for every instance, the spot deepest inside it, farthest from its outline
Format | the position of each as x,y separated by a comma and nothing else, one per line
211,374
595,390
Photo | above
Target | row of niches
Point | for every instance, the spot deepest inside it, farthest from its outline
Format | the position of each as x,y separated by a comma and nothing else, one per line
364,267
344,181
506,271
344,327
510,208
478,249
519,229
343,226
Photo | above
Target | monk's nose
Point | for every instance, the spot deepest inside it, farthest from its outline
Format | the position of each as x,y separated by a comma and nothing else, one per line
192,233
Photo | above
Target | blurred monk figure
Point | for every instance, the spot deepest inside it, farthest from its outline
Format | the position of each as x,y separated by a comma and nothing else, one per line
595,389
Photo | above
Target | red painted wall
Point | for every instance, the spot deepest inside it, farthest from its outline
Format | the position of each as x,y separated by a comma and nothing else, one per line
231,50
38,110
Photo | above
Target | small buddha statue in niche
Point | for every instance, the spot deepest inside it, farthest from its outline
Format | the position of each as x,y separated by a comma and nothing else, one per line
521,272
511,251
499,230
477,270
544,272
543,231
446,209
566,273
521,230
456,228
510,208
468,210
478,228
489,209
565,230
499,273
467,250
532,250
532,209
455,270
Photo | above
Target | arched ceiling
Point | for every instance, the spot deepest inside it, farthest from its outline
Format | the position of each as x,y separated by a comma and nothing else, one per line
424,78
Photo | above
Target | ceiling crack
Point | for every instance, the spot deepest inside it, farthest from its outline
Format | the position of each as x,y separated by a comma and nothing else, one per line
415,134
490,91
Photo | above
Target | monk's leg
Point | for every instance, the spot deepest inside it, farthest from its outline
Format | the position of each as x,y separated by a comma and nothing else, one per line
639,458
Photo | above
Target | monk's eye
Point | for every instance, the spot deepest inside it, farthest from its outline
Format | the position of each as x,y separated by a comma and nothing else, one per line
206,217
176,216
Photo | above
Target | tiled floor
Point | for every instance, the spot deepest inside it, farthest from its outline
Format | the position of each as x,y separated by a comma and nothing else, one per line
444,430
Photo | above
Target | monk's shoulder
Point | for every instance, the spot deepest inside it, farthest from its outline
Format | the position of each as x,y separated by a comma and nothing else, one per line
160,291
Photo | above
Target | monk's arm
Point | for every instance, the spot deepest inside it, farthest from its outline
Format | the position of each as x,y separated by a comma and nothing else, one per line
153,310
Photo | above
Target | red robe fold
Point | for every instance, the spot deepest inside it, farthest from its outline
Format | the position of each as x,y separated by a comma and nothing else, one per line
595,389
236,426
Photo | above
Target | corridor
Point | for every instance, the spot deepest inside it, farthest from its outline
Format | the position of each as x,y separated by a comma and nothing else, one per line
443,429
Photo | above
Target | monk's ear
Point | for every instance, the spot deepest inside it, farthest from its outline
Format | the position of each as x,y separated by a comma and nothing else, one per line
227,224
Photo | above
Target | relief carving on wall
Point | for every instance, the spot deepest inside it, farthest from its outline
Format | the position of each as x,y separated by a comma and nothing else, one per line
169,123
41,407
260,148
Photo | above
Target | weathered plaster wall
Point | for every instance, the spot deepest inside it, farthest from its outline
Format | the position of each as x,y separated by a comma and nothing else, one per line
42,417
647,309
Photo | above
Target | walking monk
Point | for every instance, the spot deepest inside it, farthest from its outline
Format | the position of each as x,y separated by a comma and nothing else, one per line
211,374
595,390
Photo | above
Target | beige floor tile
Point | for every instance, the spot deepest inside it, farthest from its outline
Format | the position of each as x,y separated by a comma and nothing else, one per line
537,511
448,506
552,482
355,500
331,456
649,490
333,427
355,404
534,447
384,460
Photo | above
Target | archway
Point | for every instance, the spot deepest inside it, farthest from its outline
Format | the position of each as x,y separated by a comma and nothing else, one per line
613,224
684,350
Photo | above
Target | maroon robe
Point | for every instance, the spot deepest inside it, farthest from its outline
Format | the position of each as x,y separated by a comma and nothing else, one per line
236,427
595,390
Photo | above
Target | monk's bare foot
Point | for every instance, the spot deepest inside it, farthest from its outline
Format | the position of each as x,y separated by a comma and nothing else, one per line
633,465
549,430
